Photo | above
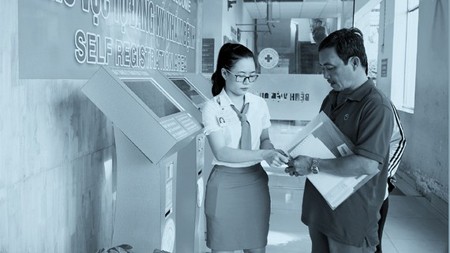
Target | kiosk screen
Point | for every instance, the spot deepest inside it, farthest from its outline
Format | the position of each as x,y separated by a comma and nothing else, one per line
189,91
147,91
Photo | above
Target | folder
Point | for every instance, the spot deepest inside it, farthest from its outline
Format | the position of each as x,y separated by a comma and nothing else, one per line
321,138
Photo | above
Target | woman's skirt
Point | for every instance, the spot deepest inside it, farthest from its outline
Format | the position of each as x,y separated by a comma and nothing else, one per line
237,208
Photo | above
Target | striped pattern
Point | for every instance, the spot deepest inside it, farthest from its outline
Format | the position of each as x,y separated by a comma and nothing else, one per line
397,144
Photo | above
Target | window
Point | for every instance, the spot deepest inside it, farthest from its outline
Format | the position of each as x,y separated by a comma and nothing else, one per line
404,57
409,86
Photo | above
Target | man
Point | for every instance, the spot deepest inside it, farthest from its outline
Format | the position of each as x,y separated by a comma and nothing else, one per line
365,116
396,150
318,31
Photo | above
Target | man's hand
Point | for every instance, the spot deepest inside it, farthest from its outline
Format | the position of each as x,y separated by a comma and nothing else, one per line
299,166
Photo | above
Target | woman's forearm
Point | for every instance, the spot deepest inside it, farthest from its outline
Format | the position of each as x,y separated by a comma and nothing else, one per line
232,155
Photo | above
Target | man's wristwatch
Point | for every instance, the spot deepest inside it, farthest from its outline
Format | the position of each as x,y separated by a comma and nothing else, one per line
315,166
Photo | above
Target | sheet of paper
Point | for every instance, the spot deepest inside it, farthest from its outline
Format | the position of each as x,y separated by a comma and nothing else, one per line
319,139
312,146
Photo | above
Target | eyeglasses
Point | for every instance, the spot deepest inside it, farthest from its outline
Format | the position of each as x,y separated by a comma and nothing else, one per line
241,78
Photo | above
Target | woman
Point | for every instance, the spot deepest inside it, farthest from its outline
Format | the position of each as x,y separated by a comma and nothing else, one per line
236,122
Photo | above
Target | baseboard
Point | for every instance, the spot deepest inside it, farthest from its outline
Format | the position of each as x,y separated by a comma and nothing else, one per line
407,185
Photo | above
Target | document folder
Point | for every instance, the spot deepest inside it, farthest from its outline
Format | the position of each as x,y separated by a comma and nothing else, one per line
321,138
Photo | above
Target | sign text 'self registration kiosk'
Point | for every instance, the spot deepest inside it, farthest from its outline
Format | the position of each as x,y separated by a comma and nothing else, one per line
151,127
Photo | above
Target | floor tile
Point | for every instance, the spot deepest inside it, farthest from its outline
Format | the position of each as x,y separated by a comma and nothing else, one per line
388,246
411,207
431,229
420,246
287,232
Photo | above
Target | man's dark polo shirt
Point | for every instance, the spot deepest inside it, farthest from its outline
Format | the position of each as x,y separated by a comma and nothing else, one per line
365,116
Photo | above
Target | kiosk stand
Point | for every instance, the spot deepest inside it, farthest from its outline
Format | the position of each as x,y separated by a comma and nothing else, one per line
197,90
150,128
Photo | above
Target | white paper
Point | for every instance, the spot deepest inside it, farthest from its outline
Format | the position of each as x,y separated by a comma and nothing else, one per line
311,142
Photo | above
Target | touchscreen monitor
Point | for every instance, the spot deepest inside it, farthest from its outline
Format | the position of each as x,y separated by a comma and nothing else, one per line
188,90
152,96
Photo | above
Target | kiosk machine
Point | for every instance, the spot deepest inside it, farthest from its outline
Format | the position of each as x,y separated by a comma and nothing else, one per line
192,84
191,175
197,89
151,127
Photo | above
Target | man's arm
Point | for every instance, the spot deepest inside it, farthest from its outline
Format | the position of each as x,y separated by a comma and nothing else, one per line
352,165
397,144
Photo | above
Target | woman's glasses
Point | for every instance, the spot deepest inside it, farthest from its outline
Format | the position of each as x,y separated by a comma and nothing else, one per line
241,78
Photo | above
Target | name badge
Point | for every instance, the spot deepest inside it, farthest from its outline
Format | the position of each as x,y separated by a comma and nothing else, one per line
221,121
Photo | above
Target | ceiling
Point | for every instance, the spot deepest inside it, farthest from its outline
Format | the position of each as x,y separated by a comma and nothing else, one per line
287,9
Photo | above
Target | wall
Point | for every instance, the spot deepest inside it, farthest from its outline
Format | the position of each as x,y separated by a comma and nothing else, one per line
55,159
232,19
221,21
367,19
425,163
57,154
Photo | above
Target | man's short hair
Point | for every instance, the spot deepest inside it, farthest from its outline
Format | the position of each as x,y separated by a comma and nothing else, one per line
347,42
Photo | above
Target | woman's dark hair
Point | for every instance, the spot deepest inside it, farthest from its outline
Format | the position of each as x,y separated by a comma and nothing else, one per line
229,54
348,42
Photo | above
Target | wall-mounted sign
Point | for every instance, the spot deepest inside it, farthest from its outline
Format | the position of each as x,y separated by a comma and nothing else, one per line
292,97
268,58
285,96
69,39
208,55
384,67
235,33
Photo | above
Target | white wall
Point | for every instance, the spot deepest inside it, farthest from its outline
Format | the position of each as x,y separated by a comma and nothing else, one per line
425,162
218,20
55,159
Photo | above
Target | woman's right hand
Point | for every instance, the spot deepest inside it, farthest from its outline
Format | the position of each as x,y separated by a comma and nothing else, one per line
275,157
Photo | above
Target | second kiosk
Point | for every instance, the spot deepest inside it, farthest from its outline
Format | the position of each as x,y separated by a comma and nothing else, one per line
161,157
